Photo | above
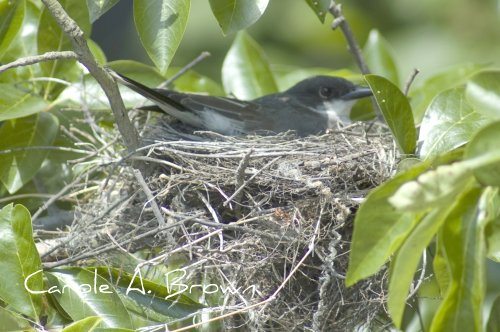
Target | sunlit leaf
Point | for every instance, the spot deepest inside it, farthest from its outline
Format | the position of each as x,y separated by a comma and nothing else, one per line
379,229
97,52
11,18
19,262
405,262
18,167
449,122
379,57
15,103
86,324
234,15
245,71
80,299
320,8
52,38
396,111
23,46
464,245
483,93
98,7
161,25
486,140
454,77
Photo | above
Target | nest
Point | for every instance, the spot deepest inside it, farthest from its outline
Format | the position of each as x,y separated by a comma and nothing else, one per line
271,214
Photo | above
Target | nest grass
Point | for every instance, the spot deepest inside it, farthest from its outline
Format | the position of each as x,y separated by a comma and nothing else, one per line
269,216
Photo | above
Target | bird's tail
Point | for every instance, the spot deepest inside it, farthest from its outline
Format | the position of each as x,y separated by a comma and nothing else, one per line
143,90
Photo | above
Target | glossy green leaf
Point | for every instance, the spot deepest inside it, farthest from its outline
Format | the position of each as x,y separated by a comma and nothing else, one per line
16,103
52,38
11,18
432,188
25,46
19,262
18,167
396,110
245,71
449,122
12,321
379,229
440,269
483,93
161,25
423,95
405,262
464,246
98,7
234,15
87,324
486,140
320,8
87,294
139,293
493,227
97,52
379,57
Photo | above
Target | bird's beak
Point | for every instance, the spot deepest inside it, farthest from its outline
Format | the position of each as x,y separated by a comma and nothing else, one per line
359,92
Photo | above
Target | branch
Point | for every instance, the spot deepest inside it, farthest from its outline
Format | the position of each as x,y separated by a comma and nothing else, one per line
336,10
410,81
30,60
108,85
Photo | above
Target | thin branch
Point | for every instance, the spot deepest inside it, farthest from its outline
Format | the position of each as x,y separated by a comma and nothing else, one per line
410,81
30,60
184,69
340,21
85,57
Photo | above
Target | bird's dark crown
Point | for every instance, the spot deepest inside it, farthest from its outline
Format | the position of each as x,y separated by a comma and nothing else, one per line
325,87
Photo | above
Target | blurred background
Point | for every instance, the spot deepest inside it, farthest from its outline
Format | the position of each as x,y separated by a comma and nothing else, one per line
429,34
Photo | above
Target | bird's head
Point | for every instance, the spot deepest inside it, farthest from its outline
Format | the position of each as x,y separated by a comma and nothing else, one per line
333,95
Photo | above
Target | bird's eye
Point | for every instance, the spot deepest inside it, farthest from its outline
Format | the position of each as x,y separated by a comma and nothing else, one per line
325,92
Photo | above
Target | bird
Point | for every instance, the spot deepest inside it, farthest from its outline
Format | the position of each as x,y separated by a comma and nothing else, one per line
309,107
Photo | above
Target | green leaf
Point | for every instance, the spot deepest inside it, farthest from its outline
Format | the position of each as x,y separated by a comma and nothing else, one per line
12,321
234,15
18,167
406,260
396,111
86,324
161,24
25,46
19,260
449,122
464,246
97,52
493,227
15,103
379,57
483,93
98,7
422,96
245,71
145,293
379,229
486,140
320,8
87,294
11,19
52,38
432,188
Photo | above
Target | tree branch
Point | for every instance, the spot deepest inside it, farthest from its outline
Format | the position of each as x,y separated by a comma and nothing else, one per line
30,60
339,21
85,57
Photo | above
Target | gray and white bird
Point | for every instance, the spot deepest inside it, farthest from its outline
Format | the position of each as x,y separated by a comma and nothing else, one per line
309,107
